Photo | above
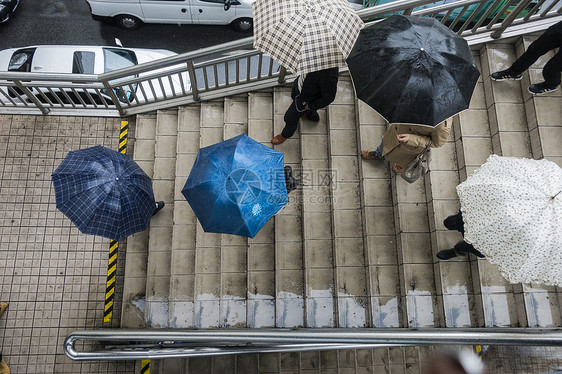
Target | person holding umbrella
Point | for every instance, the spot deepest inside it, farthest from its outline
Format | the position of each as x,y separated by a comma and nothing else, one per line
402,142
311,39
104,193
511,212
310,92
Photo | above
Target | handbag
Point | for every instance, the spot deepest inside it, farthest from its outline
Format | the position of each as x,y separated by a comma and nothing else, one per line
418,166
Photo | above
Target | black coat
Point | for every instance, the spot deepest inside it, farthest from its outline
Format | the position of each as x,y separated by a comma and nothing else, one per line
318,89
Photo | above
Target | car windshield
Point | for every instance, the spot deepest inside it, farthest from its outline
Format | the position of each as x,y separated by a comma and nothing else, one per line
115,58
21,60
118,59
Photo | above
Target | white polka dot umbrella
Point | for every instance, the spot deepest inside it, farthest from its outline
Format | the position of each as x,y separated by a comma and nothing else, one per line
512,212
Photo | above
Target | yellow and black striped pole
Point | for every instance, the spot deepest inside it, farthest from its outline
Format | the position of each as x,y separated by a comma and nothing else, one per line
114,244
145,367
478,351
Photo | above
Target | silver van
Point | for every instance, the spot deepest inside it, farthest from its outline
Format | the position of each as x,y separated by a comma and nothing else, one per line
131,14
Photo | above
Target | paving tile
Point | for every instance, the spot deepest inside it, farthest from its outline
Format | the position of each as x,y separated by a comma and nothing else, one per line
368,115
235,110
515,144
349,251
167,122
189,118
260,106
343,142
476,158
318,253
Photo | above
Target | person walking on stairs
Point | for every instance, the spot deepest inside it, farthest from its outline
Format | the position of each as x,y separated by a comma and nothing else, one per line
402,142
310,92
4,369
462,248
551,39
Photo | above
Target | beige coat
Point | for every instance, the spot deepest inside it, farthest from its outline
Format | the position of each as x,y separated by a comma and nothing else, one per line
403,153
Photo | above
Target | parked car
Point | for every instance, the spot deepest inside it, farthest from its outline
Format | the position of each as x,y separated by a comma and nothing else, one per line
469,11
75,59
7,9
131,14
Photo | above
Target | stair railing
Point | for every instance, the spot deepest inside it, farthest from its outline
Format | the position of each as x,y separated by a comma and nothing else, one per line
236,67
125,344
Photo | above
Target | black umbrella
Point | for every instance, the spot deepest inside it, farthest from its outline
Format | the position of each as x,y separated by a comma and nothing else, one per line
413,70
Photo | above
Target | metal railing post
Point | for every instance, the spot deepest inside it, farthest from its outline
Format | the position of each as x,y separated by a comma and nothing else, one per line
114,97
282,74
509,19
193,80
31,97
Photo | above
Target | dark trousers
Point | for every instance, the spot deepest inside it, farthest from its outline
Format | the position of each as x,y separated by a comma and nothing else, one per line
458,224
291,118
552,38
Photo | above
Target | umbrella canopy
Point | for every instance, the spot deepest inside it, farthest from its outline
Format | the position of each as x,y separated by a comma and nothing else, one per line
413,70
236,186
512,212
103,192
306,35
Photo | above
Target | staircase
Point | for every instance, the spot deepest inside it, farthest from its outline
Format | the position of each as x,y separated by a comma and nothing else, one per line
355,246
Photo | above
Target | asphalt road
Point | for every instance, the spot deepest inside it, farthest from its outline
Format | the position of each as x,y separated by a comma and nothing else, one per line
69,22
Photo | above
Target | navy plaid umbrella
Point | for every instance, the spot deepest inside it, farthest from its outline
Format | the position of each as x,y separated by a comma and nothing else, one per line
104,192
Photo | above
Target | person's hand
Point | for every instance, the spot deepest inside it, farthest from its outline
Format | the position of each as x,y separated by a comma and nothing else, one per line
306,107
403,138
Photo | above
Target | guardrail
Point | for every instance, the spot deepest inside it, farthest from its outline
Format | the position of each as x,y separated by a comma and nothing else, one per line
115,344
236,67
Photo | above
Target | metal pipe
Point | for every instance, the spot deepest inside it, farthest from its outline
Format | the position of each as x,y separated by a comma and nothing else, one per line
236,341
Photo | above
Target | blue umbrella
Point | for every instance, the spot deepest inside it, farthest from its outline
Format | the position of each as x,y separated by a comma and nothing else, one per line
236,186
104,192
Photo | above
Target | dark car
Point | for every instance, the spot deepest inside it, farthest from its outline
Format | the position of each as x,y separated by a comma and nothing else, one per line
7,8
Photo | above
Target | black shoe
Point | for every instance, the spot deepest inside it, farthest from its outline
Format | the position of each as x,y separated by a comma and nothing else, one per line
447,254
290,182
540,88
454,222
465,248
506,75
313,115
159,206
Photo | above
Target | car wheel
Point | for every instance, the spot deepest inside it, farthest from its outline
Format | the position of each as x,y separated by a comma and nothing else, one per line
242,24
128,22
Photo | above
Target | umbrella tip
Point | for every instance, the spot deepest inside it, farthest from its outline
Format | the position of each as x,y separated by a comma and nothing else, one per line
553,197
421,49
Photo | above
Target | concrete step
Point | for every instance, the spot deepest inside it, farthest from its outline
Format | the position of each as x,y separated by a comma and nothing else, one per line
381,256
279,249
182,267
350,270
208,245
288,231
134,288
234,249
161,225
309,148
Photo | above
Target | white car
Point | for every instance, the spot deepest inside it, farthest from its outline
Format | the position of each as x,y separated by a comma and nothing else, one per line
88,60
130,14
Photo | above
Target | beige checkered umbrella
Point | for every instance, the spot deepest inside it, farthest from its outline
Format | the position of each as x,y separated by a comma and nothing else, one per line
306,35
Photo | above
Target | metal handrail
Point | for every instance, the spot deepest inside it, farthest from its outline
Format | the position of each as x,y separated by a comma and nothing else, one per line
233,67
133,344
